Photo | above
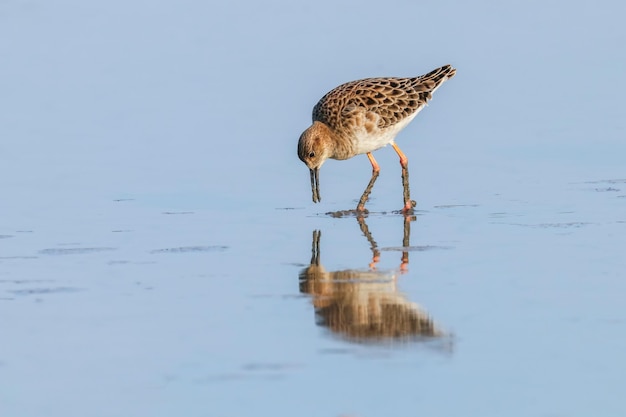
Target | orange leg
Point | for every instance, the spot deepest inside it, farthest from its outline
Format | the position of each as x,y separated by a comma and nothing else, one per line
404,163
375,166
368,189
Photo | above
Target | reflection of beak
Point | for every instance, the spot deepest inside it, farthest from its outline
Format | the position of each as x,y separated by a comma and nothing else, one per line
315,184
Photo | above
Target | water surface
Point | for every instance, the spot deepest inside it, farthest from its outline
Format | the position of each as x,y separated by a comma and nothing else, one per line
160,255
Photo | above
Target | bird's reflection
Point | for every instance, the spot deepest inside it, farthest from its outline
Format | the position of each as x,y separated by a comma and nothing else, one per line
365,305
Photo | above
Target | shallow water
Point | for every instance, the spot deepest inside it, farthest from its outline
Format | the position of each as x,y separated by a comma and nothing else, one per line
160,254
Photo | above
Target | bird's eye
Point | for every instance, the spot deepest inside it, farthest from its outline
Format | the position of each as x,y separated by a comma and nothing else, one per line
312,154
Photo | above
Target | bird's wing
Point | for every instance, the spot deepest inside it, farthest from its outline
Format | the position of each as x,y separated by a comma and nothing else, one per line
390,99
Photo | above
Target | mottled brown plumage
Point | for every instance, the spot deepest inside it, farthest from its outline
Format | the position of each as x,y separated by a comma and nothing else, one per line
363,116
392,99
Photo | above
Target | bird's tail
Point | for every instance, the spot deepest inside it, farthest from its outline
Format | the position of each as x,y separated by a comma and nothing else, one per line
431,81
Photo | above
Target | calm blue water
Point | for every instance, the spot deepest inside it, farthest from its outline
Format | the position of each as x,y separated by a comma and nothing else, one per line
156,226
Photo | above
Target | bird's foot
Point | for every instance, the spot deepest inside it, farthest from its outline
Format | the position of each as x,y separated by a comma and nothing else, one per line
408,207
361,209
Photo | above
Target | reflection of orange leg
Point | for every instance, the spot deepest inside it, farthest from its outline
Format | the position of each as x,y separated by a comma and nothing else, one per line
370,239
404,266
406,237
404,163
368,189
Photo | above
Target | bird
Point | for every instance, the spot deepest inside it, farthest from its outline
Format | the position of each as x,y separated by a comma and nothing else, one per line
362,116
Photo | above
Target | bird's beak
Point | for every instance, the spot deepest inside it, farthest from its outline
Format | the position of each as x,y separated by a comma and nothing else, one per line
315,184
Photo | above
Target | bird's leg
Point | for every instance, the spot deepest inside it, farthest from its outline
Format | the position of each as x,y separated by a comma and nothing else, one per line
404,163
368,190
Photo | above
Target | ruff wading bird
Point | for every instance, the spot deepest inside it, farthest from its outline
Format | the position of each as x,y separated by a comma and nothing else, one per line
362,116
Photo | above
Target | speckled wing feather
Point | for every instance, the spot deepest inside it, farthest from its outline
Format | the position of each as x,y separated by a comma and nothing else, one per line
392,99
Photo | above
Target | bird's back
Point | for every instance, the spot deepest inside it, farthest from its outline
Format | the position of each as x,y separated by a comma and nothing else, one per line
388,100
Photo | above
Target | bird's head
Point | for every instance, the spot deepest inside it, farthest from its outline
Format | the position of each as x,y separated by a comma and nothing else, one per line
314,148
